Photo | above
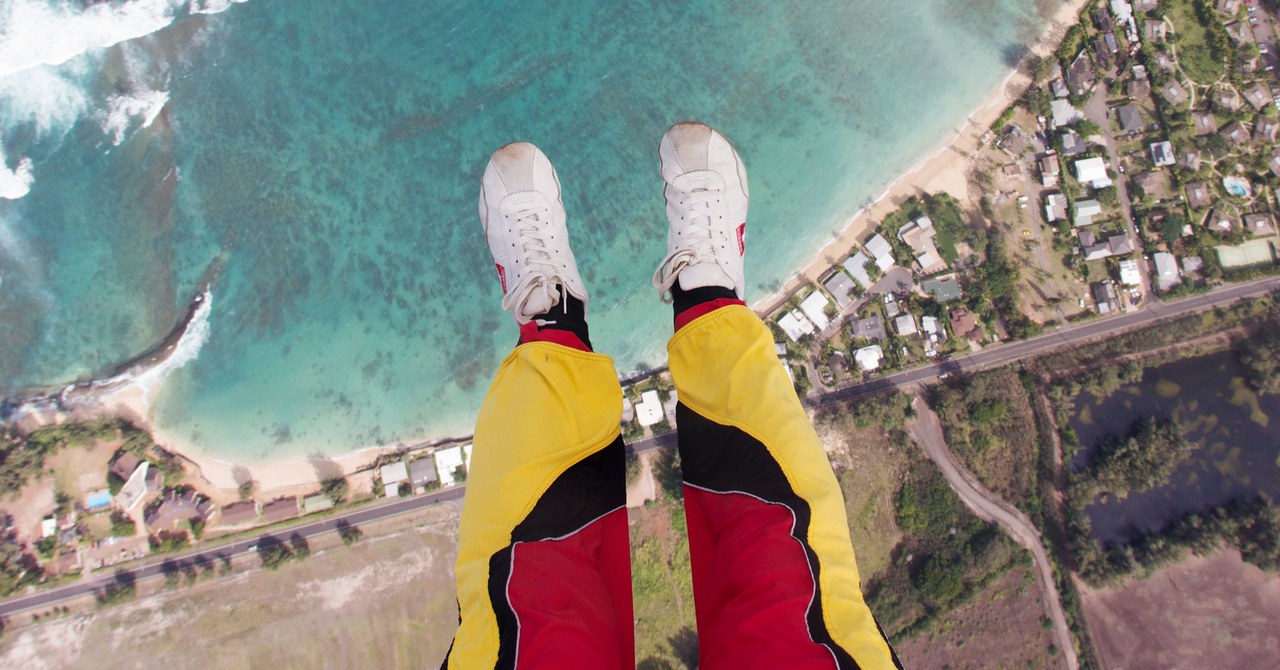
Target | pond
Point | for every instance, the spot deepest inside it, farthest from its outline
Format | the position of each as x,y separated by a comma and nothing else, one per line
1210,400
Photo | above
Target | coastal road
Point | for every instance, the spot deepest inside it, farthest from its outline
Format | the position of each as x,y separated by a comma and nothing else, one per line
926,430
996,355
161,564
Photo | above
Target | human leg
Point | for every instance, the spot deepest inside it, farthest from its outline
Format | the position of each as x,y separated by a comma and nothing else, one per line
543,569
775,579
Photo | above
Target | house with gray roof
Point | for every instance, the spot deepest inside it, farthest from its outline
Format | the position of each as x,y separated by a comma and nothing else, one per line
841,287
1204,122
1130,118
944,289
1173,93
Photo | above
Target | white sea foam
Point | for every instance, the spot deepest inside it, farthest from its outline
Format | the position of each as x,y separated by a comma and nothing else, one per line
149,377
15,183
118,115
40,32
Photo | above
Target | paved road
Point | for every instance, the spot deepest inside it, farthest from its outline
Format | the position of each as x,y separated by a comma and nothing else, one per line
989,357
926,429
161,564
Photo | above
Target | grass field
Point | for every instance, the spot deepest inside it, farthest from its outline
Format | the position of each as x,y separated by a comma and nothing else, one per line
1194,54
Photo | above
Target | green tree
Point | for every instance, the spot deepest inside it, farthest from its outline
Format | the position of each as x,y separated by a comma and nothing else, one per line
1260,356
336,489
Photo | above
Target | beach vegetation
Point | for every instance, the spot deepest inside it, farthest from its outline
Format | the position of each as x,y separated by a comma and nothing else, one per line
46,545
336,489
121,589
993,292
22,457
1260,356
1203,47
460,474
167,541
379,489
1076,39
404,489
348,533
122,525
196,526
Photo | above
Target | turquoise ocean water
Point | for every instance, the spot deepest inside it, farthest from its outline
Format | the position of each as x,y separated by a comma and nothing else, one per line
329,154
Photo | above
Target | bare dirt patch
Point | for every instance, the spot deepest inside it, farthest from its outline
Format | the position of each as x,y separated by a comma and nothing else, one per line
1213,612
1000,627
386,602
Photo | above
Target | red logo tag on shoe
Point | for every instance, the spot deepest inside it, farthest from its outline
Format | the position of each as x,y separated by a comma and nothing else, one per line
502,277
742,244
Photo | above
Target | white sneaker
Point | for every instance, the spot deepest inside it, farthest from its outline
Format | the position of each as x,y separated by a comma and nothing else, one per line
523,218
707,200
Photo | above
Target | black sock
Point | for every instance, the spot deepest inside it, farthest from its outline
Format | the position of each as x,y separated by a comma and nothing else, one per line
570,315
682,299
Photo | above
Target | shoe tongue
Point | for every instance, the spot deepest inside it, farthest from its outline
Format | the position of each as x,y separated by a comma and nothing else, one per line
698,180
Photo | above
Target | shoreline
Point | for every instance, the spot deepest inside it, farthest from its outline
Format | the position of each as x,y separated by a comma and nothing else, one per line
944,169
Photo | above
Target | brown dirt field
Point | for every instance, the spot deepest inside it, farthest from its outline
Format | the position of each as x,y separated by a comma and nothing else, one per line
30,506
998,628
1213,612
387,602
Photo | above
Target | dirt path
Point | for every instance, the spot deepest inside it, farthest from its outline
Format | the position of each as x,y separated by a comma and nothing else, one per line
926,429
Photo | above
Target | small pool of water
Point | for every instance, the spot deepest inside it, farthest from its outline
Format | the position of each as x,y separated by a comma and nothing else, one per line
1237,186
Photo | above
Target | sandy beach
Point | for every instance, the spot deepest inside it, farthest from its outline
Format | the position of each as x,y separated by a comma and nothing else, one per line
946,169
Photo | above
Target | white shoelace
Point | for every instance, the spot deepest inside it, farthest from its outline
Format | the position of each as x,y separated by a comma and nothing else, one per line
699,243
539,270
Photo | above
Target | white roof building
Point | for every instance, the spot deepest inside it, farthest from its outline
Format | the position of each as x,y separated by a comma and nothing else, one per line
48,527
905,325
1129,275
868,358
1085,211
1063,113
448,460
930,326
1092,171
1162,153
795,325
649,409
857,267
392,474
1055,207
814,307
1166,270
881,250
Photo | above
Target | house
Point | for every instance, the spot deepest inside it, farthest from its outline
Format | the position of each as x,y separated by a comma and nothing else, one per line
1092,171
795,325
422,472
932,329
1138,88
1011,170
1198,195
868,358
1072,143
1238,32
1257,96
881,251
815,307
238,513
317,502
1104,295
1189,160
649,409
1164,62
1055,207
1259,224
891,308
1102,51
919,236
1130,118
856,265
905,325
1155,31
1120,244
176,508
1273,161
1192,264
964,325
841,287
1129,274
944,290
1265,129
1162,153
1228,7
280,509
1235,134
1173,93
138,485
1226,99
1116,245
1087,238
1080,77
871,328
1014,141
1149,181
1145,6
1085,211
1204,122
1102,21
1049,171
1059,88
1063,113
1166,270
1219,221
392,475
124,465
450,461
